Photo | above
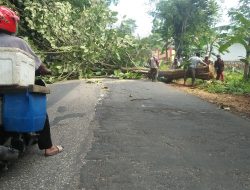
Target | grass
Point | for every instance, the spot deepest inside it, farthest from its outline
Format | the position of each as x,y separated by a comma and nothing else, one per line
233,84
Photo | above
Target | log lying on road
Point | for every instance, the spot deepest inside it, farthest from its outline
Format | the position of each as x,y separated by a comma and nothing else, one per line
169,75
201,73
172,74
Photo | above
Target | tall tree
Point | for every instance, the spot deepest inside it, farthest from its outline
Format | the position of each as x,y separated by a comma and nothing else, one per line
77,38
244,7
184,21
128,26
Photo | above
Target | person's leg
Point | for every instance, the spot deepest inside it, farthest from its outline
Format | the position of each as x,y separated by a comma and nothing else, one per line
153,74
44,138
45,142
185,76
193,76
150,73
156,75
222,76
217,75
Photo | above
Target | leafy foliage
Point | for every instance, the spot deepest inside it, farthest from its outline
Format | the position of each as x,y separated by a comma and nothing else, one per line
234,84
128,75
188,22
240,33
77,39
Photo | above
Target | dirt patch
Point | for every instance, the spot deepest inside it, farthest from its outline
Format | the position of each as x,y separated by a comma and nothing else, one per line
239,104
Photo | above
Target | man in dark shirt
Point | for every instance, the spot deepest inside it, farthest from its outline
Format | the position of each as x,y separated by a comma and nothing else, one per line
219,68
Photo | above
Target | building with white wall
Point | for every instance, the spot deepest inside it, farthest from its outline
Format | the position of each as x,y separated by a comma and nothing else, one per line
235,53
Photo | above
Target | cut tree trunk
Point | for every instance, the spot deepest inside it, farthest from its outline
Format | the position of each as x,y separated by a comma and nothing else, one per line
201,73
167,76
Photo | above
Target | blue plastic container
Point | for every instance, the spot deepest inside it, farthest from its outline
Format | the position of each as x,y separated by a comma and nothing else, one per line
24,112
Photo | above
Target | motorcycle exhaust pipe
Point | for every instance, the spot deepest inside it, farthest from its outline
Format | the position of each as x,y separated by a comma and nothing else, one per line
8,154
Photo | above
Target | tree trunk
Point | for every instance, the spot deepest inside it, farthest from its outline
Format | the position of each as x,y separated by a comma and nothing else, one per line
246,71
201,73
247,67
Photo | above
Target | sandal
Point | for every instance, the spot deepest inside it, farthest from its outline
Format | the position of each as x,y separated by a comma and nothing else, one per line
58,149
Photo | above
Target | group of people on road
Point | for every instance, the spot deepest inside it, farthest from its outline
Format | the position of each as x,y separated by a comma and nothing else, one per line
194,62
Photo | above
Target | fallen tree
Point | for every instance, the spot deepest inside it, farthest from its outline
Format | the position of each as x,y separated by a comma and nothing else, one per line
170,75
201,73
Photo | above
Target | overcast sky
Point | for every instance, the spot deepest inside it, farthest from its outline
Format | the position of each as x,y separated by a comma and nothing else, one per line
138,10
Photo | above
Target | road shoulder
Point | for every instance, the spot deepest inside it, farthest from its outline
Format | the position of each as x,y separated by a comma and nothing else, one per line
238,104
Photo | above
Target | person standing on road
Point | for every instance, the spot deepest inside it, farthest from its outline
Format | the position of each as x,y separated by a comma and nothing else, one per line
154,65
194,62
8,28
219,68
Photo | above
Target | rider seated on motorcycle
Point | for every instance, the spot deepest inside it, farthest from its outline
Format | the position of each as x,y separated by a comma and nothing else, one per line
8,28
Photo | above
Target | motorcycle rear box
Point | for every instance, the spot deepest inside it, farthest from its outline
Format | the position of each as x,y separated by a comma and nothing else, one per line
24,112
16,67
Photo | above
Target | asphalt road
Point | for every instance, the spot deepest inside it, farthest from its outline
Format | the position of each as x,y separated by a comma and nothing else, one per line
136,135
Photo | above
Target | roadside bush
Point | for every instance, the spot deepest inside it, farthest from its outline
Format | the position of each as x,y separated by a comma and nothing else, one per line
233,84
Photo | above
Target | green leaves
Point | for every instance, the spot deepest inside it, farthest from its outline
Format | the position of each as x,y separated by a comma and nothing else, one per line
239,33
77,39
128,75
233,85
183,20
